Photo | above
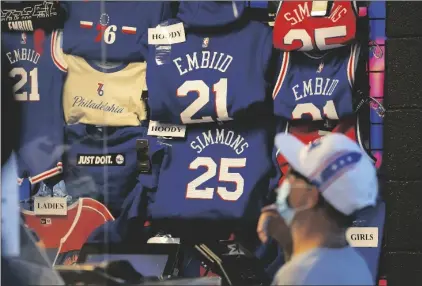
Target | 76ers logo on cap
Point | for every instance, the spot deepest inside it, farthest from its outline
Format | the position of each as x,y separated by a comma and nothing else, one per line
100,90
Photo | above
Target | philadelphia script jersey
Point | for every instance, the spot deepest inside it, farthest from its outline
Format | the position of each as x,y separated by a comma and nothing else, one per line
219,172
296,29
101,163
316,87
106,94
210,76
111,30
38,79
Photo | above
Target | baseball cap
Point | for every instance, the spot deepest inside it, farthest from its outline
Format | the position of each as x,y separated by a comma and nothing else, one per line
337,166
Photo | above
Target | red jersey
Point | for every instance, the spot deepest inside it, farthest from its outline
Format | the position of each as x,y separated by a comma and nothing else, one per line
296,29
309,131
70,232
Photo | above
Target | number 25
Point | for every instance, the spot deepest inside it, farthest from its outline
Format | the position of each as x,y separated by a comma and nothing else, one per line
321,35
192,192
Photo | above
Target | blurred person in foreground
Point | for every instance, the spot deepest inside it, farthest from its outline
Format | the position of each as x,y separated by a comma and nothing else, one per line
329,181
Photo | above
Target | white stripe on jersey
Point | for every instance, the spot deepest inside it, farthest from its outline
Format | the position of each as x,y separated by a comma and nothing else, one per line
86,23
352,63
56,50
278,8
355,7
359,141
282,75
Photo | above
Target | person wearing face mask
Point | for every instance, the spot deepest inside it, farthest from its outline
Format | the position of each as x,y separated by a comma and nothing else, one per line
328,182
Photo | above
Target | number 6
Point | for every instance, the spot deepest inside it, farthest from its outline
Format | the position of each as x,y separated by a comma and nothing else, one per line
110,34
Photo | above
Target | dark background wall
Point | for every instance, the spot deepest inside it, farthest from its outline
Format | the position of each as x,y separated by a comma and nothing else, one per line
402,160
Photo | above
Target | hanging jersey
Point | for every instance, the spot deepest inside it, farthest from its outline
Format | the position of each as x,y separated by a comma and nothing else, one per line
38,82
99,94
219,173
203,79
68,233
102,163
309,131
111,30
296,29
316,88
21,16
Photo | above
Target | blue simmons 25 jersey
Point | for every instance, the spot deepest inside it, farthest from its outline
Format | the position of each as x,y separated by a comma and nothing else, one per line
316,87
114,30
101,163
210,76
220,171
38,79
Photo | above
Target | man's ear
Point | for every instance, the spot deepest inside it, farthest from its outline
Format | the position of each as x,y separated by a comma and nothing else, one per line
313,197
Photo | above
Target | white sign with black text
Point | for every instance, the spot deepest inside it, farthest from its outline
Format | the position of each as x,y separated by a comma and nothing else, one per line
156,128
167,35
50,206
362,236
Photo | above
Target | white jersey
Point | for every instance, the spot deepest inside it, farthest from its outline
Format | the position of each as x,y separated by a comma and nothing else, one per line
107,94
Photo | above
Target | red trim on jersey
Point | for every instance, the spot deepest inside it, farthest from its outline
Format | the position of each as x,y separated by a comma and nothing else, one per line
47,174
86,24
282,75
53,47
129,30
44,175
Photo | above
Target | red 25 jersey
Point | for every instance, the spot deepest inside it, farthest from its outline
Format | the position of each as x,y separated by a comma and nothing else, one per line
295,28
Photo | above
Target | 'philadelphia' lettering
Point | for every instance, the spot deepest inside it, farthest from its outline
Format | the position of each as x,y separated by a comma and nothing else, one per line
79,101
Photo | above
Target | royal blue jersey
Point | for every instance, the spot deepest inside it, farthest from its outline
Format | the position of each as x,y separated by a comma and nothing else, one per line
220,171
316,87
102,163
112,30
38,79
212,75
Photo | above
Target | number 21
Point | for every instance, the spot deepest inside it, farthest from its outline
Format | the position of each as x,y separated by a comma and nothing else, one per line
309,108
33,74
199,86
192,192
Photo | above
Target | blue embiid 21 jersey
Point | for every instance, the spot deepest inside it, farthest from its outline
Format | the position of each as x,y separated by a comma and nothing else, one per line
38,79
210,76
102,164
114,30
218,172
316,88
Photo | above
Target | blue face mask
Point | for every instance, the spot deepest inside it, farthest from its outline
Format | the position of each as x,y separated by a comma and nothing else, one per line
285,211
